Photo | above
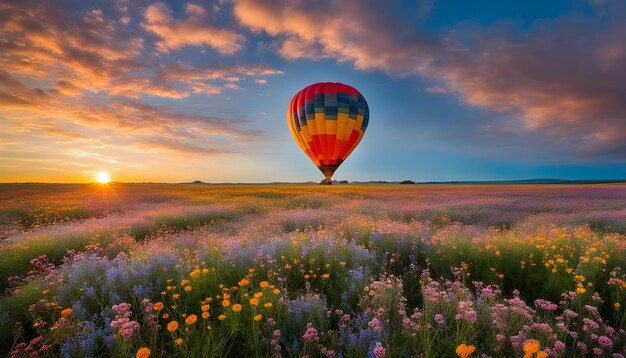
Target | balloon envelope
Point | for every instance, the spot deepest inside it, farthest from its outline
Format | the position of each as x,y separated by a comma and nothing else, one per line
328,120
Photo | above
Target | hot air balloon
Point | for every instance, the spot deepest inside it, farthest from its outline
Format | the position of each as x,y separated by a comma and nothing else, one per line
328,120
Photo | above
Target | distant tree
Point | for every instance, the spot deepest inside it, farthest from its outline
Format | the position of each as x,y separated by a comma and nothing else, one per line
407,182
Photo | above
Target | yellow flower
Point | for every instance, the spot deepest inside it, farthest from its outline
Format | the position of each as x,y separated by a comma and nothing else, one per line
221,317
187,288
268,305
254,301
237,307
264,284
531,346
258,317
226,303
205,314
179,341
143,353
66,312
172,326
464,350
191,319
158,306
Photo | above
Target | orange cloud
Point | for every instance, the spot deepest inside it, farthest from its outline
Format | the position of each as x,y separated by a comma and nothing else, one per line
564,80
195,30
87,72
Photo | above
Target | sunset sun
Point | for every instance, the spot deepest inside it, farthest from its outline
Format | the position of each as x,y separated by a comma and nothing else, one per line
103,177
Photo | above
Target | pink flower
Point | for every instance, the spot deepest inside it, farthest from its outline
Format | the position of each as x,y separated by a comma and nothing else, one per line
559,346
311,335
605,341
379,350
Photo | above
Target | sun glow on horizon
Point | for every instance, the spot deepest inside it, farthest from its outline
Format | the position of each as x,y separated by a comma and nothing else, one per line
103,178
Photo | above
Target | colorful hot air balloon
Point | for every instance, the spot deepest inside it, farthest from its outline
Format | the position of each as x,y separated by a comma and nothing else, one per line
328,120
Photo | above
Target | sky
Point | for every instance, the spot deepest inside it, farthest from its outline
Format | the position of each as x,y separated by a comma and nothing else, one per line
180,91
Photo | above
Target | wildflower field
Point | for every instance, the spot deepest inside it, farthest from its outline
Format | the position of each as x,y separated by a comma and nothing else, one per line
151,270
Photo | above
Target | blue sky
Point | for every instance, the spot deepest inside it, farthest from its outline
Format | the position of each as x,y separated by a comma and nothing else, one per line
177,91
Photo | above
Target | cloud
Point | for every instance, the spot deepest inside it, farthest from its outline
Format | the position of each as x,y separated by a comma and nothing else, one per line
176,146
82,73
90,51
320,29
195,30
206,88
563,80
232,86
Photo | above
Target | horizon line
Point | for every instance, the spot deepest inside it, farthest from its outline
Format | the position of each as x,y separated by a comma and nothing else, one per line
199,182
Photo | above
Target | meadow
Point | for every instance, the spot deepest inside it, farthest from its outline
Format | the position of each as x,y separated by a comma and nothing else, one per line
139,270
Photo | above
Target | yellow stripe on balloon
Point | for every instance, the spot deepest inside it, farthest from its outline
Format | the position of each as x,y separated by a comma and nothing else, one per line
342,123
331,127
321,125
312,127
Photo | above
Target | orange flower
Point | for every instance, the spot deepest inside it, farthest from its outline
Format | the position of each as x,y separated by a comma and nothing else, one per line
191,319
258,317
179,341
264,284
226,303
531,346
187,288
237,308
276,291
464,350
205,315
172,326
158,306
268,305
221,317
254,301
165,315
66,312
143,353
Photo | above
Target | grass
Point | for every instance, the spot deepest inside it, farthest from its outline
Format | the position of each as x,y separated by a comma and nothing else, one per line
358,269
